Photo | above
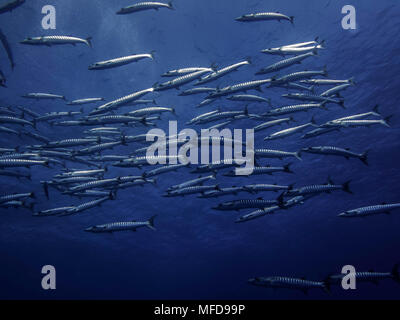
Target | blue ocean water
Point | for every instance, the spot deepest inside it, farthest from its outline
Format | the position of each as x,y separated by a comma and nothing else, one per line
198,253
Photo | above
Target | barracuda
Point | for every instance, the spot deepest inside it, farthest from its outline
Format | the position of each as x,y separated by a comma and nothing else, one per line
268,153
123,226
370,210
290,131
190,190
257,214
222,72
7,48
13,120
271,123
245,86
260,170
264,16
56,115
18,196
150,111
180,81
93,185
222,192
313,97
115,104
286,63
368,276
324,188
248,97
294,108
196,91
52,212
254,188
98,148
141,6
335,151
164,169
84,101
328,81
9,163
117,62
289,283
57,40
191,183
86,206
237,205
183,71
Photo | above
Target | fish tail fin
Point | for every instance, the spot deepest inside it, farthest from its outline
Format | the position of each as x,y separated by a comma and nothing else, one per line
286,168
312,88
152,52
327,285
281,201
386,121
313,121
112,195
298,155
291,18
341,103
89,41
150,223
364,157
346,187
395,273
325,71
376,110
249,60
352,81
170,5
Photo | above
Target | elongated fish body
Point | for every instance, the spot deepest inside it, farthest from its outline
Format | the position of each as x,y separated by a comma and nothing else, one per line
220,116
180,81
141,6
297,86
19,156
164,169
294,109
86,206
257,214
43,96
292,50
288,283
335,90
122,226
56,115
102,129
248,97
259,171
8,130
190,190
135,183
117,62
222,192
98,148
220,125
11,5
183,71
202,116
368,276
52,212
298,76
264,16
10,163
192,183
19,196
17,204
335,151
7,48
94,184
69,143
8,150
312,97
254,188
112,105
328,81
268,153
110,157
93,194
271,123
370,210
29,112
245,86
138,162
286,63
79,102
113,119
150,110
73,180
13,120
245,204
360,123
9,112
318,132
15,174
315,189
213,167
222,72
82,173
56,40
302,44
196,91
374,112
289,131
205,102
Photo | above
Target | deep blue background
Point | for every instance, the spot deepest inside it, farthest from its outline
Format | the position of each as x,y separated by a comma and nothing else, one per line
196,252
